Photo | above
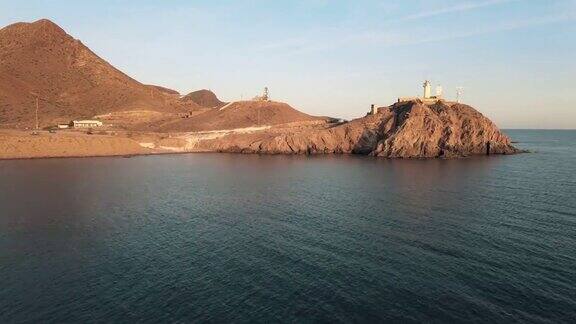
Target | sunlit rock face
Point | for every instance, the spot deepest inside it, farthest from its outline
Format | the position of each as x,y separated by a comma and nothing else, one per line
405,130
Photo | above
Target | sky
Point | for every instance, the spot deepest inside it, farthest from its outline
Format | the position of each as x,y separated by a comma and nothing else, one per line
515,59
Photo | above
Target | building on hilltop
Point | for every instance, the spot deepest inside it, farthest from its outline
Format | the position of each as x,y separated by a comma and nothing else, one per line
264,97
373,110
427,89
427,97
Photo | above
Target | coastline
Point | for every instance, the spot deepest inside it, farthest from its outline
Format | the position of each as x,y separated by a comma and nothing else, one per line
21,145
48,157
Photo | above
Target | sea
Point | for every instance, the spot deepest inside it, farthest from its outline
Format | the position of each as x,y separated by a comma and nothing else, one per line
219,238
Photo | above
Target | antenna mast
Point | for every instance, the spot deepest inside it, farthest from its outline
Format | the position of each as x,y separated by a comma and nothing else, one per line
37,123
459,93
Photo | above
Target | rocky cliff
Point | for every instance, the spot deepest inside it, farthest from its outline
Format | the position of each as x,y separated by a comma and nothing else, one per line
404,130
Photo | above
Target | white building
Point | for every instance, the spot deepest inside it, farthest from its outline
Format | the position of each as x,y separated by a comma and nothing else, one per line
427,89
86,123
427,97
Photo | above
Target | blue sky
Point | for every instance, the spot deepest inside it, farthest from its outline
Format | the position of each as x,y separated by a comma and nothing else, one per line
516,59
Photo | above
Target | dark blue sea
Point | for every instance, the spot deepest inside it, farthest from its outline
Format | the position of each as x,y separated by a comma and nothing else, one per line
245,238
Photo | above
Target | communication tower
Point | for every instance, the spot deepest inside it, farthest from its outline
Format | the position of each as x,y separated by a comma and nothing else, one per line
439,92
459,93
37,122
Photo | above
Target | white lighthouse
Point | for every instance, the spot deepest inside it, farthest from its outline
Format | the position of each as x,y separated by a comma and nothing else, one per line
427,98
427,89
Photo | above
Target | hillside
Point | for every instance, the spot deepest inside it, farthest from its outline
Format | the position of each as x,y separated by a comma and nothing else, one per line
204,98
40,59
240,114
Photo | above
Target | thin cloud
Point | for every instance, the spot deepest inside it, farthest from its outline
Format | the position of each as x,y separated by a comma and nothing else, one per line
468,6
304,45
490,30
307,43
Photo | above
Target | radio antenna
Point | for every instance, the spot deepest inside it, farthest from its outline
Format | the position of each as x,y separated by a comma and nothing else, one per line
459,93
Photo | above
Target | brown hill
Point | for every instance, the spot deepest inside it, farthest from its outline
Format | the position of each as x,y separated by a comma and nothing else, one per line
204,98
407,130
40,59
165,90
240,114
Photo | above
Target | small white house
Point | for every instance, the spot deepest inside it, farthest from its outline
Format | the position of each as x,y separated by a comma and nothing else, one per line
63,126
86,123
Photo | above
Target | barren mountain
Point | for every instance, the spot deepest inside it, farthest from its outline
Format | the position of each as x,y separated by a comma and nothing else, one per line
40,60
404,130
204,98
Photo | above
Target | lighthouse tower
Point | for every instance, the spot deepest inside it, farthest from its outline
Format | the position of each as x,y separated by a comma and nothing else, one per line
427,89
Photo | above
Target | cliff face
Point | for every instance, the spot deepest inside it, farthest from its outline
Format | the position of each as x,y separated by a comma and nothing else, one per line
407,130
442,129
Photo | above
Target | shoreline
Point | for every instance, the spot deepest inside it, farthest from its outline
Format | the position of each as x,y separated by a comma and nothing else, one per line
144,154
358,137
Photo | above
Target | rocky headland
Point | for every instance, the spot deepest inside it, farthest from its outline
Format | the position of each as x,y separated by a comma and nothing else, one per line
45,70
404,130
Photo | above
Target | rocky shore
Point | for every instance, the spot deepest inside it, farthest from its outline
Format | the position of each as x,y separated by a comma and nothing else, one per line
403,130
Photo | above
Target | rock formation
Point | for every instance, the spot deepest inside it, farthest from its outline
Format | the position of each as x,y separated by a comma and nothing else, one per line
407,130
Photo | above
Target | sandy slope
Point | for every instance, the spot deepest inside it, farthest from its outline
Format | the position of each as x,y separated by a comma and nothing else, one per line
20,144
